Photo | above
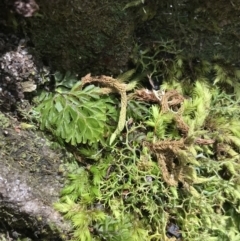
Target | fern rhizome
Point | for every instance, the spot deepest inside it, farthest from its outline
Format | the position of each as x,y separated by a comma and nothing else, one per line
158,164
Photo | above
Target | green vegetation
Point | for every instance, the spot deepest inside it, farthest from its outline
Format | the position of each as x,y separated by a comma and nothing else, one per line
76,116
149,159
176,162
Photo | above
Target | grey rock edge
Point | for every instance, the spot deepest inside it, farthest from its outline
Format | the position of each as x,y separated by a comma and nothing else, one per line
29,185
20,71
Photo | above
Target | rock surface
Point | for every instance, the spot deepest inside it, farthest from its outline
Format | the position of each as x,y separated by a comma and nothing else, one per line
25,8
83,36
20,71
30,182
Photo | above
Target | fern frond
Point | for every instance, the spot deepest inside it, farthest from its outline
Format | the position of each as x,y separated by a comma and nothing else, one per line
77,116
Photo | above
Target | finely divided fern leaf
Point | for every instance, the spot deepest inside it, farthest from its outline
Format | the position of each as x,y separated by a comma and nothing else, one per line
77,116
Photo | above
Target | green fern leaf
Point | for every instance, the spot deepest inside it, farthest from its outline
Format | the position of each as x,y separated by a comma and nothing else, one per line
65,81
77,116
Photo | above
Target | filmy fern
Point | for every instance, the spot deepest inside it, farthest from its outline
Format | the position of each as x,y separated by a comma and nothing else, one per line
76,116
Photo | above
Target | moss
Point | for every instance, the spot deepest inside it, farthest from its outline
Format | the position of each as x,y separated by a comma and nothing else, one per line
4,121
83,36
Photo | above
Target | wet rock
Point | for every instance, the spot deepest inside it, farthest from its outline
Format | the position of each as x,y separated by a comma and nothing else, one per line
29,186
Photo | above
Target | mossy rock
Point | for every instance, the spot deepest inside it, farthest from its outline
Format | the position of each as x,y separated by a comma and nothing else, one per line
31,177
83,36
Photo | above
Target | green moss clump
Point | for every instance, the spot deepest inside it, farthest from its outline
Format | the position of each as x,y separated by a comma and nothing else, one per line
4,121
184,173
